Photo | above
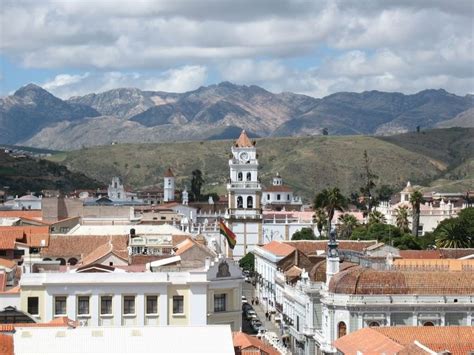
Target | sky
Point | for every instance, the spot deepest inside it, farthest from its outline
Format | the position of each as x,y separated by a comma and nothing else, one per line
314,47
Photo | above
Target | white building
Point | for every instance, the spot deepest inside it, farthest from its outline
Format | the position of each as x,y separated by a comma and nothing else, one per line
26,202
280,196
244,215
99,295
168,186
436,208
117,193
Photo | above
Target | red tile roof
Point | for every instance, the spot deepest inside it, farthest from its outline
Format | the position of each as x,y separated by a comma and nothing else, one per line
278,248
31,214
243,141
456,339
104,250
57,322
7,263
367,341
309,247
420,254
3,281
244,341
366,281
6,344
278,188
168,173
401,340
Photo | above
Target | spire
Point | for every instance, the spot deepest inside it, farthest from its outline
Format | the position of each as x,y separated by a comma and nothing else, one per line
243,141
169,173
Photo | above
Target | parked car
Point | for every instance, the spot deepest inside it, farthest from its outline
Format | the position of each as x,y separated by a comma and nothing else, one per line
257,326
250,314
246,307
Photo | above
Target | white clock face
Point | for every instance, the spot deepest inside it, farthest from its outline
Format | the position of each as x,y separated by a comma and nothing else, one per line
244,156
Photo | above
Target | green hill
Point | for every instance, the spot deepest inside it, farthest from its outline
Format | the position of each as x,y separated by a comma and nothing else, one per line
25,174
308,164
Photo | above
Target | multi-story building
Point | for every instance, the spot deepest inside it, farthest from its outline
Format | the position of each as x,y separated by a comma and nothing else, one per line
279,196
163,294
244,214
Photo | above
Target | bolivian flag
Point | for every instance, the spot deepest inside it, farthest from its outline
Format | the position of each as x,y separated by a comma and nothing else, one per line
228,234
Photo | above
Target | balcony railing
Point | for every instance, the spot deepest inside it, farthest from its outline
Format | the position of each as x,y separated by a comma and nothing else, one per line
244,185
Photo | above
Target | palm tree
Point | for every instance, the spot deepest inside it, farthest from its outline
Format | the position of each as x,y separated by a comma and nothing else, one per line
377,217
402,218
347,223
320,218
330,200
452,235
416,199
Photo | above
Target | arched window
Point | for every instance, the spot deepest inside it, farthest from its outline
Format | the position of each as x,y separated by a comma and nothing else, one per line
240,202
249,177
46,259
341,329
428,324
239,176
250,202
374,324
72,261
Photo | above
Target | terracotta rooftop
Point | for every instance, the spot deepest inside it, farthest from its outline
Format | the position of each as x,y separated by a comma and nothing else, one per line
31,214
449,253
57,322
310,246
7,263
245,341
278,188
434,264
6,344
243,141
79,246
278,248
360,280
103,250
318,271
456,339
420,254
366,341
168,173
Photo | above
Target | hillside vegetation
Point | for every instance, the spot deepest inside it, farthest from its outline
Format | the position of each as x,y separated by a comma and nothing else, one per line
24,174
307,164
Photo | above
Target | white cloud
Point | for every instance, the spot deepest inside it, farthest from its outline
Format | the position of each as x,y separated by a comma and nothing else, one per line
174,80
362,45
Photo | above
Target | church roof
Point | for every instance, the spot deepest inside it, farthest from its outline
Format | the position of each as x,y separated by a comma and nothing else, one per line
360,280
278,188
169,173
243,141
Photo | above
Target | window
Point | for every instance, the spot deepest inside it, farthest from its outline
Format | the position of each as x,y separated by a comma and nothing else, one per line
106,305
374,324
178,304
249,202
341,329
298,323
240,202
249,176
33,307
151,304
83,305
129,305
278,197
268,197
428,324
240,177
118,195
60,306
288,197
219,302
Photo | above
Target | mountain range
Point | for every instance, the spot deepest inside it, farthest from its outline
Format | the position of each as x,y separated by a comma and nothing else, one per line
34,117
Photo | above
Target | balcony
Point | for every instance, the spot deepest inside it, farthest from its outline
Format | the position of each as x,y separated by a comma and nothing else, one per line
244,185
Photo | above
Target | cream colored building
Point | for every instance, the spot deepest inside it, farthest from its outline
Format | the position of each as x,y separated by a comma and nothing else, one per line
99,295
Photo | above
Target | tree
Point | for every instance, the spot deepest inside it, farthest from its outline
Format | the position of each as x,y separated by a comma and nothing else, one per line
347,223
196,184
320,218
325,131
402,218
304,234
416,199
385,192
377,217
367,189
330,200
406,242
452,234
382,232
248,262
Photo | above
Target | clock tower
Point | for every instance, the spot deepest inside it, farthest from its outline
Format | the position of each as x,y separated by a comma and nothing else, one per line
244,215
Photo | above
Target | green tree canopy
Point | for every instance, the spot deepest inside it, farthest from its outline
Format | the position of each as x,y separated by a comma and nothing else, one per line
304,234
330,200
416,199
248,262
197,181
347,223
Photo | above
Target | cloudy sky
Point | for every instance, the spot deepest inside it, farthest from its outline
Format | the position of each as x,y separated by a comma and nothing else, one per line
313,47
